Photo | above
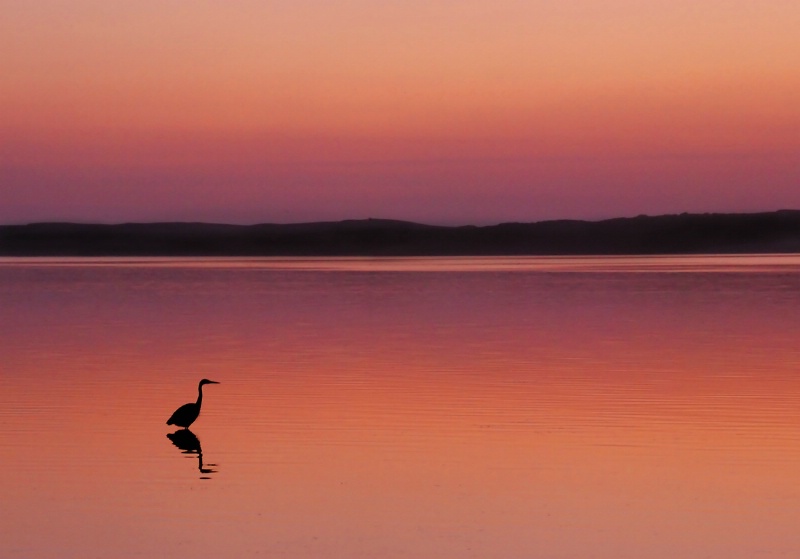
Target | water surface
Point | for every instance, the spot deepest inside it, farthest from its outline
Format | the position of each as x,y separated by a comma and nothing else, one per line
498,407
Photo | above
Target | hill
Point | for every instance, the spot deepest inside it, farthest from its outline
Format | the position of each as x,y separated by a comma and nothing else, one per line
772,232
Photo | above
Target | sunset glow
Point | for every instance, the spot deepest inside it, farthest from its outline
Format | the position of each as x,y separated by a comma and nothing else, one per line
444,112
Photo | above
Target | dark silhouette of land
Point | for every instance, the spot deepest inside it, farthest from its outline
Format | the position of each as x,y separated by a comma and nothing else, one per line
771,232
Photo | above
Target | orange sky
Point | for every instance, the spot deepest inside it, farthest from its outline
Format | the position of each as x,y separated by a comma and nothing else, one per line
444,112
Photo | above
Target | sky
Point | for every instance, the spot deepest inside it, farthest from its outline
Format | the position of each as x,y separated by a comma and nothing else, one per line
442,112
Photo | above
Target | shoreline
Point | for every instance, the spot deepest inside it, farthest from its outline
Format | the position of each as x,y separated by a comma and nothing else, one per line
775,232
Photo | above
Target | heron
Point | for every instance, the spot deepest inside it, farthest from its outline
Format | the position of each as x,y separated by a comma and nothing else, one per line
187,413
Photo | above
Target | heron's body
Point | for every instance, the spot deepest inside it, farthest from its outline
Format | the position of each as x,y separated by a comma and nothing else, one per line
188,413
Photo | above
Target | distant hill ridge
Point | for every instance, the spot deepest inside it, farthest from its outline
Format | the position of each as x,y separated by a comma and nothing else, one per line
768,232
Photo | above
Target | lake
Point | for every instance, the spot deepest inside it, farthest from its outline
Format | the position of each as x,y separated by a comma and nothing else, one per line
515,408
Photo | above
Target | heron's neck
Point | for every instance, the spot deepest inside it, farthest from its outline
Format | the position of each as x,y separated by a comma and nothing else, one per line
199,395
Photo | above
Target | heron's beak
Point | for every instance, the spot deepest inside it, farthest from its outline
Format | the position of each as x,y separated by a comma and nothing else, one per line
212,382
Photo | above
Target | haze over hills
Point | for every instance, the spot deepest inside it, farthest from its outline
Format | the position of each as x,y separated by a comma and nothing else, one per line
770,232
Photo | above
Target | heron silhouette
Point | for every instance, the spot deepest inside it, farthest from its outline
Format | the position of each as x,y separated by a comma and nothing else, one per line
187,413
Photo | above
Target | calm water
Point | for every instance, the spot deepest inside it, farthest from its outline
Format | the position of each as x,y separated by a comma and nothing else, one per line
413,408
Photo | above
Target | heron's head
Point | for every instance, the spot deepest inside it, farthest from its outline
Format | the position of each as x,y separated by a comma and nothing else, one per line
206,381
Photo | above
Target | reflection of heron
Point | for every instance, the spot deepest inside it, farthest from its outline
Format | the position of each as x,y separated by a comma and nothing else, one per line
187,413
190,444
185,440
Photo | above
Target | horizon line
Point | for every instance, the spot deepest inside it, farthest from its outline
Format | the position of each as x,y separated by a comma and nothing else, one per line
389,220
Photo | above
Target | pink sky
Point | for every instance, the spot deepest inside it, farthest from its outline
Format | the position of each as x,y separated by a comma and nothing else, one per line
440,112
